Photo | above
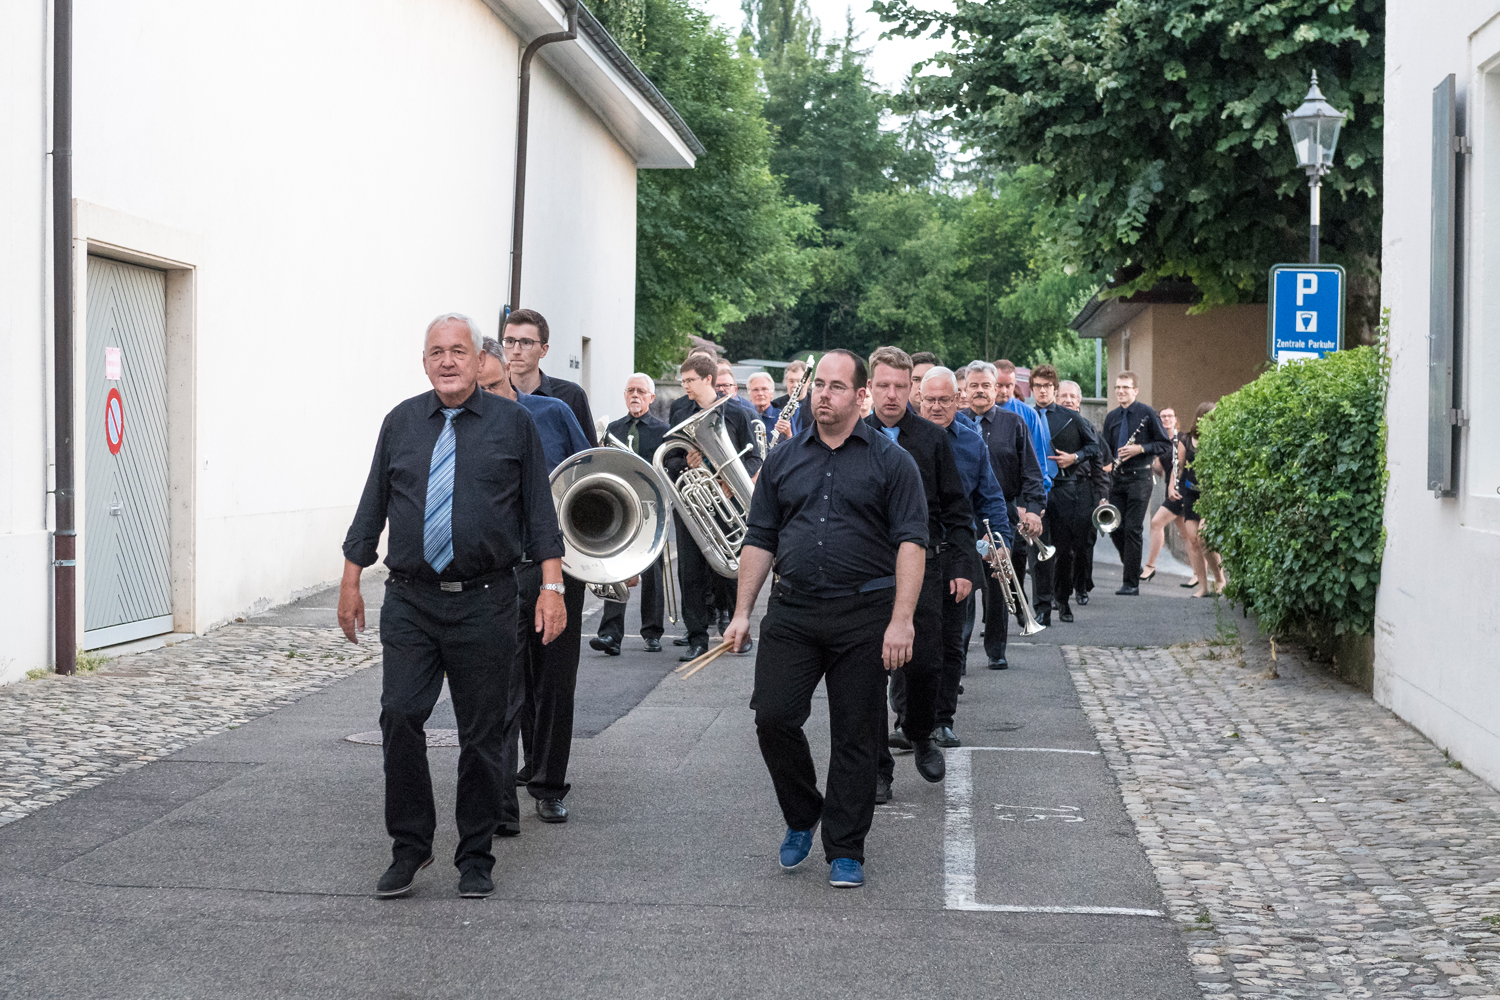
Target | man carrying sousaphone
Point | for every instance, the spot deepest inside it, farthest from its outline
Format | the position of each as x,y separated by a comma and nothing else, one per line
840,509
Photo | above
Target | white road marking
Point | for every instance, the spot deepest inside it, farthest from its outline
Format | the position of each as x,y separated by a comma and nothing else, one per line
959,879
1090,753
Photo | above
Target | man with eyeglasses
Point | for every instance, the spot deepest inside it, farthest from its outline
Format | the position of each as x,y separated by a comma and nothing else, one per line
697,379
842,513
725,384
642,433
546,678
524,338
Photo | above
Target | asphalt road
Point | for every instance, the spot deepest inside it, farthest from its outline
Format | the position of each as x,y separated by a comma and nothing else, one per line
241,867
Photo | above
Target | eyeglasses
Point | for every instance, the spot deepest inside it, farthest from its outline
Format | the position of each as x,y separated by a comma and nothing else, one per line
525,343
940,400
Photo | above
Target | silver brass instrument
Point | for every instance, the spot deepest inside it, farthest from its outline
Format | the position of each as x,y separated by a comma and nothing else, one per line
1107,515
759,426
1010,584
613,510
713,500
796,401
1043,550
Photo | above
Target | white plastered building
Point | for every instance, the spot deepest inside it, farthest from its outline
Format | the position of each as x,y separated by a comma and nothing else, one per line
270,201
1437,633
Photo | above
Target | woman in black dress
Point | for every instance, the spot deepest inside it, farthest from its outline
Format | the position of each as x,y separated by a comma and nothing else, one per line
1182,498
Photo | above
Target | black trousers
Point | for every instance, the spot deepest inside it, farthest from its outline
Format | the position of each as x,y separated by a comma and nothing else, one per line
914,688
1131,492
612,621
1043,572
996,618
958,621
1084,582
803,640
1068,521
694,574
470,636
549,677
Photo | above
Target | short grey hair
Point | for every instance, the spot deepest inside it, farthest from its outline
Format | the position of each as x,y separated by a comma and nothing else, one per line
641,375
763,375
983,366
474,333
964,371
939,373
491,346
1070,384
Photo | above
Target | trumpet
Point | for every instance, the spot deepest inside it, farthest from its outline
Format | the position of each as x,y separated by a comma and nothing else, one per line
1043,550
713,499
1107,516
1010,584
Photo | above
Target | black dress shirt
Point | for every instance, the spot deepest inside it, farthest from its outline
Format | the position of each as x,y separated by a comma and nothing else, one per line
950,519
1121,422
835,518
649,432
500,491
736,422
1014,458
1071,433
578,401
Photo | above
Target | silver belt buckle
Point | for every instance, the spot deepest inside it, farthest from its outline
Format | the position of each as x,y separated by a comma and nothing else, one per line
451,586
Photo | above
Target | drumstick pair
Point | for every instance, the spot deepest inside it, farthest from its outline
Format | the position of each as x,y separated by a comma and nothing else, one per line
692,666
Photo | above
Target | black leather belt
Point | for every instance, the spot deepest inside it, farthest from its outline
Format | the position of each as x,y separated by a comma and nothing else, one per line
448,586
868,587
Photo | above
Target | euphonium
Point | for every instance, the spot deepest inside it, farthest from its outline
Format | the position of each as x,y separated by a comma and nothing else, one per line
713,499
612,508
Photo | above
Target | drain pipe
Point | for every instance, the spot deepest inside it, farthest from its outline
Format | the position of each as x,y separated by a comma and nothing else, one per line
64,535
523,121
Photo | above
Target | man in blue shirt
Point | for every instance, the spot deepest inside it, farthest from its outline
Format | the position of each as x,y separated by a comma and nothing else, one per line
542,689
940,405
761,388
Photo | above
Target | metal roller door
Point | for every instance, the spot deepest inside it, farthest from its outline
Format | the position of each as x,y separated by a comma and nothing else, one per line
127,585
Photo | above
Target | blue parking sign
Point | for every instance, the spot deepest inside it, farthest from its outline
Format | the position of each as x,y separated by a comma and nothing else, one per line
1306,314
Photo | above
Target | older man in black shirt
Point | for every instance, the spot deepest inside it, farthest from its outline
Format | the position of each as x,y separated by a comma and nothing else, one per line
460,476
840,509
1133,436
950,538
1020,473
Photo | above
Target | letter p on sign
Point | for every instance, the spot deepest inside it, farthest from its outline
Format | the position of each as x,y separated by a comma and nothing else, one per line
1307,284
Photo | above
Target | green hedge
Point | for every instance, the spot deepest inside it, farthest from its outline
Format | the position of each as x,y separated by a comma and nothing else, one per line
1293,474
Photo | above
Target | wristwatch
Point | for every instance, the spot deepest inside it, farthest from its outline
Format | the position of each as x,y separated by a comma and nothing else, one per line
556,588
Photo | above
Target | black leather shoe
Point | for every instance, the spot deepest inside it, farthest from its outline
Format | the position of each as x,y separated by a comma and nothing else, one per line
998,663
400,877
897,740
749,645
693,652
929,759
681,640
944,736
523,778
1083,597
610,646
1066,614
475,883
960,689
508,830
882,789
724,619
552,810
1045,618
1128,591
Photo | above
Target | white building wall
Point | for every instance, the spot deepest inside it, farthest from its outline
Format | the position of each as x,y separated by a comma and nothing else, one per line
343,173
25,296
1437,639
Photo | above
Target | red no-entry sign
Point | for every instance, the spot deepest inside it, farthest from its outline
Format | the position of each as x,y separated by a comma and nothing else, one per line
114,421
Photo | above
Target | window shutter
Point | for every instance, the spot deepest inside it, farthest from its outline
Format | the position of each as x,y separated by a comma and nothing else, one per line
1445,418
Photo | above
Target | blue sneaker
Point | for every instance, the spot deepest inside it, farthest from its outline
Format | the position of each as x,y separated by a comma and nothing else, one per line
795,847
846,873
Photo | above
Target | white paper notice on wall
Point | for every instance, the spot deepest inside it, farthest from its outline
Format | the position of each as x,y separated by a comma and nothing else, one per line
112,363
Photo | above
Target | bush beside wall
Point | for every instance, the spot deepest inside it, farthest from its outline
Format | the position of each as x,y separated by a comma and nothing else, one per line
1293,473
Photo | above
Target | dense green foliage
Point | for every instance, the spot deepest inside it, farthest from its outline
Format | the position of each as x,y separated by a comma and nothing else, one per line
720,241
1293,474
1158,123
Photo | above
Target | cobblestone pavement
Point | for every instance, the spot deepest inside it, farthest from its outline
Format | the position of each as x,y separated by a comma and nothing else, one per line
1308,842
62,734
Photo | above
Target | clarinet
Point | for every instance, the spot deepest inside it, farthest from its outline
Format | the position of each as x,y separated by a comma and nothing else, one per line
796,401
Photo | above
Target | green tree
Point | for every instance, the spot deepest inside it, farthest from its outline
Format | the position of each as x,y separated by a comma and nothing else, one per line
1159,125
721,241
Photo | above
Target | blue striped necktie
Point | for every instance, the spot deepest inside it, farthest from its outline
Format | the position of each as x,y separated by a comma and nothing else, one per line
437,522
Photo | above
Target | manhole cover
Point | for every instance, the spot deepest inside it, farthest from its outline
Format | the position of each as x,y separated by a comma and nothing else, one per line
435,738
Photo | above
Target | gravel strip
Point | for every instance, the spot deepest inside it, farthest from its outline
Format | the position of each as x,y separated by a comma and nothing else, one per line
1308,842
62,734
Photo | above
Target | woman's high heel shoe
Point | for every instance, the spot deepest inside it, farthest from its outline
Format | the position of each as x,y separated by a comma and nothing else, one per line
1191,583
1146,576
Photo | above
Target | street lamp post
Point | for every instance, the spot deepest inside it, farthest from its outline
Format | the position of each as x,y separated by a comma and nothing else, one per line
1315,132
